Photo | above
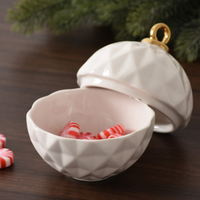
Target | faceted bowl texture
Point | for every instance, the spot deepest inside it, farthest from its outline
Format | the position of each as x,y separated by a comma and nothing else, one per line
146,72
95,110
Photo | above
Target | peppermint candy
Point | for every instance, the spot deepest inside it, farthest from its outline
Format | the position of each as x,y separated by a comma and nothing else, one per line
82,135
91,137
115,135
118,129
72,130
2,141
6,158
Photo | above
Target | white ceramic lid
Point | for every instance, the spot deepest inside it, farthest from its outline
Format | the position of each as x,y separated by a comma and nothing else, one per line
144,71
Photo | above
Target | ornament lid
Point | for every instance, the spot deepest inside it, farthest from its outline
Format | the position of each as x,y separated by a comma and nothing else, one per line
143,70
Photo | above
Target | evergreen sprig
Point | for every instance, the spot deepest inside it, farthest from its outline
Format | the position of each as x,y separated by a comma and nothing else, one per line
129,19
189,40
30,16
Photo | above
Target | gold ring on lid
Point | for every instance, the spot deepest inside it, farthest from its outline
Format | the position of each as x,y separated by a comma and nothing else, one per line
153,36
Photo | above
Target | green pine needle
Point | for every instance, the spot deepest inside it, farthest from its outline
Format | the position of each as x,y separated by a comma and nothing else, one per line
129,19
72,16
187,45
142,17
30,16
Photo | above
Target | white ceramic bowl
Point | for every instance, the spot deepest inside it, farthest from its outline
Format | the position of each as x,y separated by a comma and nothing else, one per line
95,110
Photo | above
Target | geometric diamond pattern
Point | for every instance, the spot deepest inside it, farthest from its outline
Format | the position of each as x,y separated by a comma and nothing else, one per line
144,71
89,160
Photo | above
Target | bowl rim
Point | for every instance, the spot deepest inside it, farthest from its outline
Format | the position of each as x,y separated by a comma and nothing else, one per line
36,102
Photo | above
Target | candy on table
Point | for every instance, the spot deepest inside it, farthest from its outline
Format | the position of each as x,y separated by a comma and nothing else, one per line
6,158
71,130
91,137
2,141
115,135
82,135
115,129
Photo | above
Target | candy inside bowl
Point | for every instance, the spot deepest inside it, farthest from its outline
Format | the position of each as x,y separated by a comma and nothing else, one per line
94,109
117,83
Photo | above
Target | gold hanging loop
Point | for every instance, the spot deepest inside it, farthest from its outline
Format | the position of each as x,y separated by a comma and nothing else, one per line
153,36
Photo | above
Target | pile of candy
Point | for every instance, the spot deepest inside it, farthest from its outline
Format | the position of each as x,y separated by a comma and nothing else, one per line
72,130
6,156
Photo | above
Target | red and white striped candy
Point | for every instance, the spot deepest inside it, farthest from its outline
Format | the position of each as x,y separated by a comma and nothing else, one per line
91,137
115,129
82,135
2,141
71,130
6,158
115,135
118,129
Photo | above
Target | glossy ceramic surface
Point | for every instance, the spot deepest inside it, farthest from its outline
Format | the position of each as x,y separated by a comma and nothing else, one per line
95,110
144,71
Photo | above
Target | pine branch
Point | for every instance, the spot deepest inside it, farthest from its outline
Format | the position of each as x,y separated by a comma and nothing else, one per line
130,19
73,15
109,11
119,26
187,45
29,16
114,13
149,12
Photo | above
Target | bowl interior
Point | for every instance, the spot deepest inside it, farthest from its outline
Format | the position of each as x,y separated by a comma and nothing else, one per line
94,109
